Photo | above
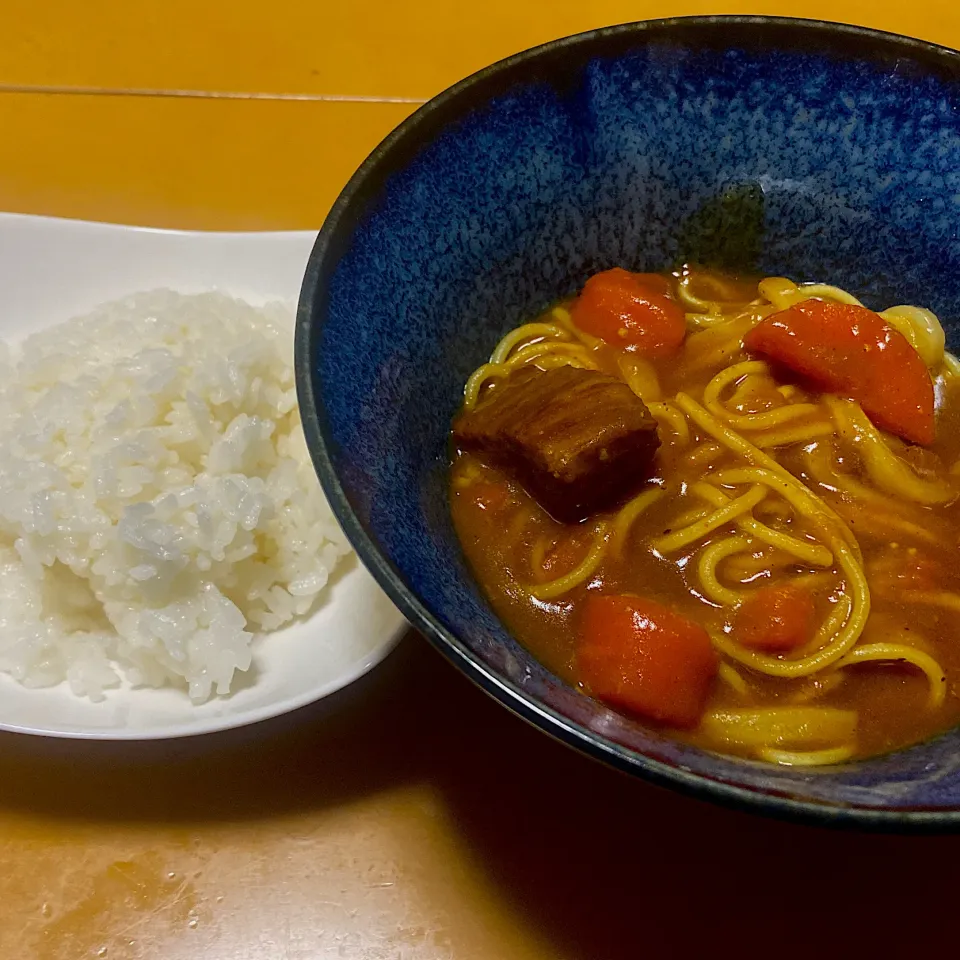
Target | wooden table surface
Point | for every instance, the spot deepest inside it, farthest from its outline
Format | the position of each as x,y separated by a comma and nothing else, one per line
410,816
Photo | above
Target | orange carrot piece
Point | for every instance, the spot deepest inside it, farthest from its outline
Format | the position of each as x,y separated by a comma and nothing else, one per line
851,351
640,655
775,618
630,311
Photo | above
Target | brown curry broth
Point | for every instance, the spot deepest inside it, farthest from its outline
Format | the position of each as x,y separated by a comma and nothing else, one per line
890,699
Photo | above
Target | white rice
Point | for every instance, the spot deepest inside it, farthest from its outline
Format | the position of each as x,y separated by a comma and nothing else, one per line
157,504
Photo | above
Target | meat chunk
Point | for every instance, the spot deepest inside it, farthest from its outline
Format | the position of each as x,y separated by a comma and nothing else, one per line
579,441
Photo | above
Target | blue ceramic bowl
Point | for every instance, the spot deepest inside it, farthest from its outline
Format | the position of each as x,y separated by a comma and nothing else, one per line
819,151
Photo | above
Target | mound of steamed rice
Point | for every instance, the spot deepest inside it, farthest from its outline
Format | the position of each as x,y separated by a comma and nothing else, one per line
157,504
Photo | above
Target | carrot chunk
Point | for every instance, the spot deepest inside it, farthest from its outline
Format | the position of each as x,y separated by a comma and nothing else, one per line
775,618
640,655
851,351
630,311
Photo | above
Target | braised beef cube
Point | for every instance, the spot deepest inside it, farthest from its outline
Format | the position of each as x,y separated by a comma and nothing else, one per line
579,441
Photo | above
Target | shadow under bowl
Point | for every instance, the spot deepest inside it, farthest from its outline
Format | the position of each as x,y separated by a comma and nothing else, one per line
786,147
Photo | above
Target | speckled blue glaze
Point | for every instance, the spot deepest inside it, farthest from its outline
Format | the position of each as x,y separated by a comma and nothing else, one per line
784,147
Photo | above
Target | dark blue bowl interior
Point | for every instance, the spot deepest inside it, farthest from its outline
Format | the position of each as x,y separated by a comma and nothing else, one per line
779,147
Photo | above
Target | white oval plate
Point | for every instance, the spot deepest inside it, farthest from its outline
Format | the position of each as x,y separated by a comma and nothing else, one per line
51,270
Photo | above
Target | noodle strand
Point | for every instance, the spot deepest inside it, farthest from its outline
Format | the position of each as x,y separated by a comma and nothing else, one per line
585,569
707,569
720,517
901,653
806,758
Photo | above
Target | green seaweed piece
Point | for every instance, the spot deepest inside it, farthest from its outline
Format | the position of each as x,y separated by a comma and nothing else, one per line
726,233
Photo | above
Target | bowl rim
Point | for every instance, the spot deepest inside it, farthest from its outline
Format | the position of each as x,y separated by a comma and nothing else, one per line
316,430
